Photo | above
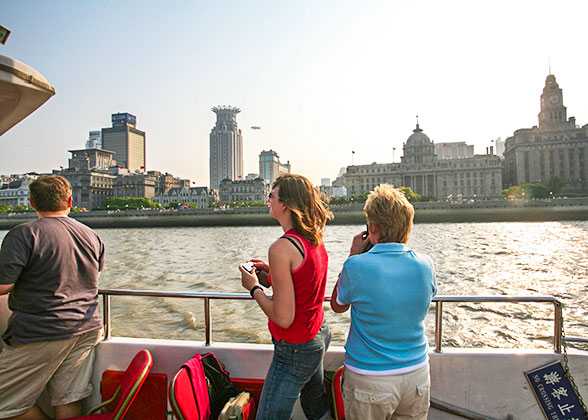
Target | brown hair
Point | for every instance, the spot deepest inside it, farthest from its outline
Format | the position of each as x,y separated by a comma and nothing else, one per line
388,209
50,193
309,212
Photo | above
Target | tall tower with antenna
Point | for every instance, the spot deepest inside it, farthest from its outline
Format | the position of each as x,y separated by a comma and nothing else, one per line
226,146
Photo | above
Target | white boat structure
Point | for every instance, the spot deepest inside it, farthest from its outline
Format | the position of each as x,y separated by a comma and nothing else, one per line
22,91
486,383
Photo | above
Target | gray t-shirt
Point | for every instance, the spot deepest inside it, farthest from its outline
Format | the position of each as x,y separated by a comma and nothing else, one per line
54,264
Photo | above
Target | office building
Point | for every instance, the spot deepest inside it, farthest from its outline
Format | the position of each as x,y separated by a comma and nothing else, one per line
126,141
557,147
94,140
226,147
454,150
270,166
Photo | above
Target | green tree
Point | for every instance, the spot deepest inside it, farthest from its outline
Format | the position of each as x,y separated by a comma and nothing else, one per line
338,200
539,191
360,198
128,203
429,197
4,208
409,194
23,209
556,184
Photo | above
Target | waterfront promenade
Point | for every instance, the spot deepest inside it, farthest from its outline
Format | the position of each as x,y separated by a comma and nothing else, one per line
439,212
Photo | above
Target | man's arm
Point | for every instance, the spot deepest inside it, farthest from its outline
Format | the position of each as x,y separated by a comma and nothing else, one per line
5,288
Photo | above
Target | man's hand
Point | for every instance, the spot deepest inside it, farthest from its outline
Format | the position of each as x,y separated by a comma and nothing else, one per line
6,288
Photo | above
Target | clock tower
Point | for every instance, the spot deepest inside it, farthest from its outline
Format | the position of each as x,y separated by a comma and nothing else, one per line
553,112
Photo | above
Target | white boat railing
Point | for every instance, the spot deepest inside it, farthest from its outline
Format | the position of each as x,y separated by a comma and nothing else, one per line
437,304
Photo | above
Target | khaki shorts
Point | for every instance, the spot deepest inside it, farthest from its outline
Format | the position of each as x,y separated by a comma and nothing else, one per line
397,397
64,367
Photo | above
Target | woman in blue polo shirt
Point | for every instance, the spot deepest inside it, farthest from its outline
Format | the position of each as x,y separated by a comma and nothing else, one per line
389,289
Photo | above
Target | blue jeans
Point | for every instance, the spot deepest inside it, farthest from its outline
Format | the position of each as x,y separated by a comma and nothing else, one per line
296,371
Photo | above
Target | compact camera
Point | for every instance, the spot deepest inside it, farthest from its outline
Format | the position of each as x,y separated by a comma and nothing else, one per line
248,266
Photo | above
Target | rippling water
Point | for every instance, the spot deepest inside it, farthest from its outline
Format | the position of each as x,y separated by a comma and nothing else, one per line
470,259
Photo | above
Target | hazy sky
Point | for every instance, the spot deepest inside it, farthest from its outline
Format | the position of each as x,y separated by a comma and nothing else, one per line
321,77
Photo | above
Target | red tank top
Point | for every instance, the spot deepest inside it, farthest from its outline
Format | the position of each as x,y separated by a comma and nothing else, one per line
310,280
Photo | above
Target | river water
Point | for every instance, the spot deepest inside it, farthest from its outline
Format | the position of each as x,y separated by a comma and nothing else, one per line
484,259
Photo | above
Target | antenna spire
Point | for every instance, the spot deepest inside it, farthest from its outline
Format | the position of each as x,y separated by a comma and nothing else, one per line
549,65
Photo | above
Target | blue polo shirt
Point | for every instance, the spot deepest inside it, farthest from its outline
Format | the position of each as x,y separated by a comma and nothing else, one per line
389,289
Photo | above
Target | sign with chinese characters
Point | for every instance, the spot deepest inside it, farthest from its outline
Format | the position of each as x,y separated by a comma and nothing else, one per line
555,392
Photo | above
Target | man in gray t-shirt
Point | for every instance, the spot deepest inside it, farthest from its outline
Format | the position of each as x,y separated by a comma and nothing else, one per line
50,267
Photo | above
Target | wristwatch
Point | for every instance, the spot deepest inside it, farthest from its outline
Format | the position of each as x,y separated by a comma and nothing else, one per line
254,288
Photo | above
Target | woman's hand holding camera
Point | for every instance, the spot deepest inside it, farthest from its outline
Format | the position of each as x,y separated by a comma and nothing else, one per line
262,271
360,243
248,278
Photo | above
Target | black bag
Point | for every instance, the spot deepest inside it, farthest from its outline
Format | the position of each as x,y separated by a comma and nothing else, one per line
220,387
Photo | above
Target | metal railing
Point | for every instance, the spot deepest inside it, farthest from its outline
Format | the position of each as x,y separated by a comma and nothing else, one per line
437,303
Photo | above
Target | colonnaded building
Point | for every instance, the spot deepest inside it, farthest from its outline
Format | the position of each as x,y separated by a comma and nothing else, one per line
557,147
421,169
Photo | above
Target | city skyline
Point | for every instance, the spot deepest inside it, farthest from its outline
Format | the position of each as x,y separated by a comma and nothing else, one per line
321,80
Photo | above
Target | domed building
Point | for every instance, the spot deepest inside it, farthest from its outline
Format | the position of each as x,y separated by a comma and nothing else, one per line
418,148
476,176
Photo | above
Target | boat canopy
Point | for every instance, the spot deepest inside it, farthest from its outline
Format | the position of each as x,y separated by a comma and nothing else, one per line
22,90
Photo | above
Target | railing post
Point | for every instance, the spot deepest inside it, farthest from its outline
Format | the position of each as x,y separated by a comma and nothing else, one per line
207,323
106,315
438,325
557,327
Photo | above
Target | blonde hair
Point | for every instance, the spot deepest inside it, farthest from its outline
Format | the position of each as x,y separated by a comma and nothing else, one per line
309,212
388,209
50,193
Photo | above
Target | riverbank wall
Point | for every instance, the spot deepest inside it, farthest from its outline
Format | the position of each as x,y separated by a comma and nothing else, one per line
441,212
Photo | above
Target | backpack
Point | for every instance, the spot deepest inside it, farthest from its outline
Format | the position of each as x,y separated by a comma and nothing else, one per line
188,391
220,387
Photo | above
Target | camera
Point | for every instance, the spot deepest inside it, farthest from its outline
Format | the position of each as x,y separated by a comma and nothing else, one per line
369,245
248,266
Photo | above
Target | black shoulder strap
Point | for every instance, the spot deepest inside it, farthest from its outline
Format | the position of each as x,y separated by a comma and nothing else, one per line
295,244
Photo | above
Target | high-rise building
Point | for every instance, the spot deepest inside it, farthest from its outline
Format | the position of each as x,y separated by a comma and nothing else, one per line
270,166
94,140
557,147
126,141
226,147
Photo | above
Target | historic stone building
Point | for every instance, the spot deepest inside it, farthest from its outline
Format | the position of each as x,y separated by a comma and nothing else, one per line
165,182
89,177
134,185
226,146
244,190
202,197
14,191
557,147
420,169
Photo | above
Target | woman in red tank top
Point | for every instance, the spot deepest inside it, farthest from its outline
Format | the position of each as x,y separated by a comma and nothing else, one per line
298,275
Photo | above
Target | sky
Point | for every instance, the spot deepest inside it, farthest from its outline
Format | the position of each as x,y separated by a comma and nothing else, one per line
321,78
